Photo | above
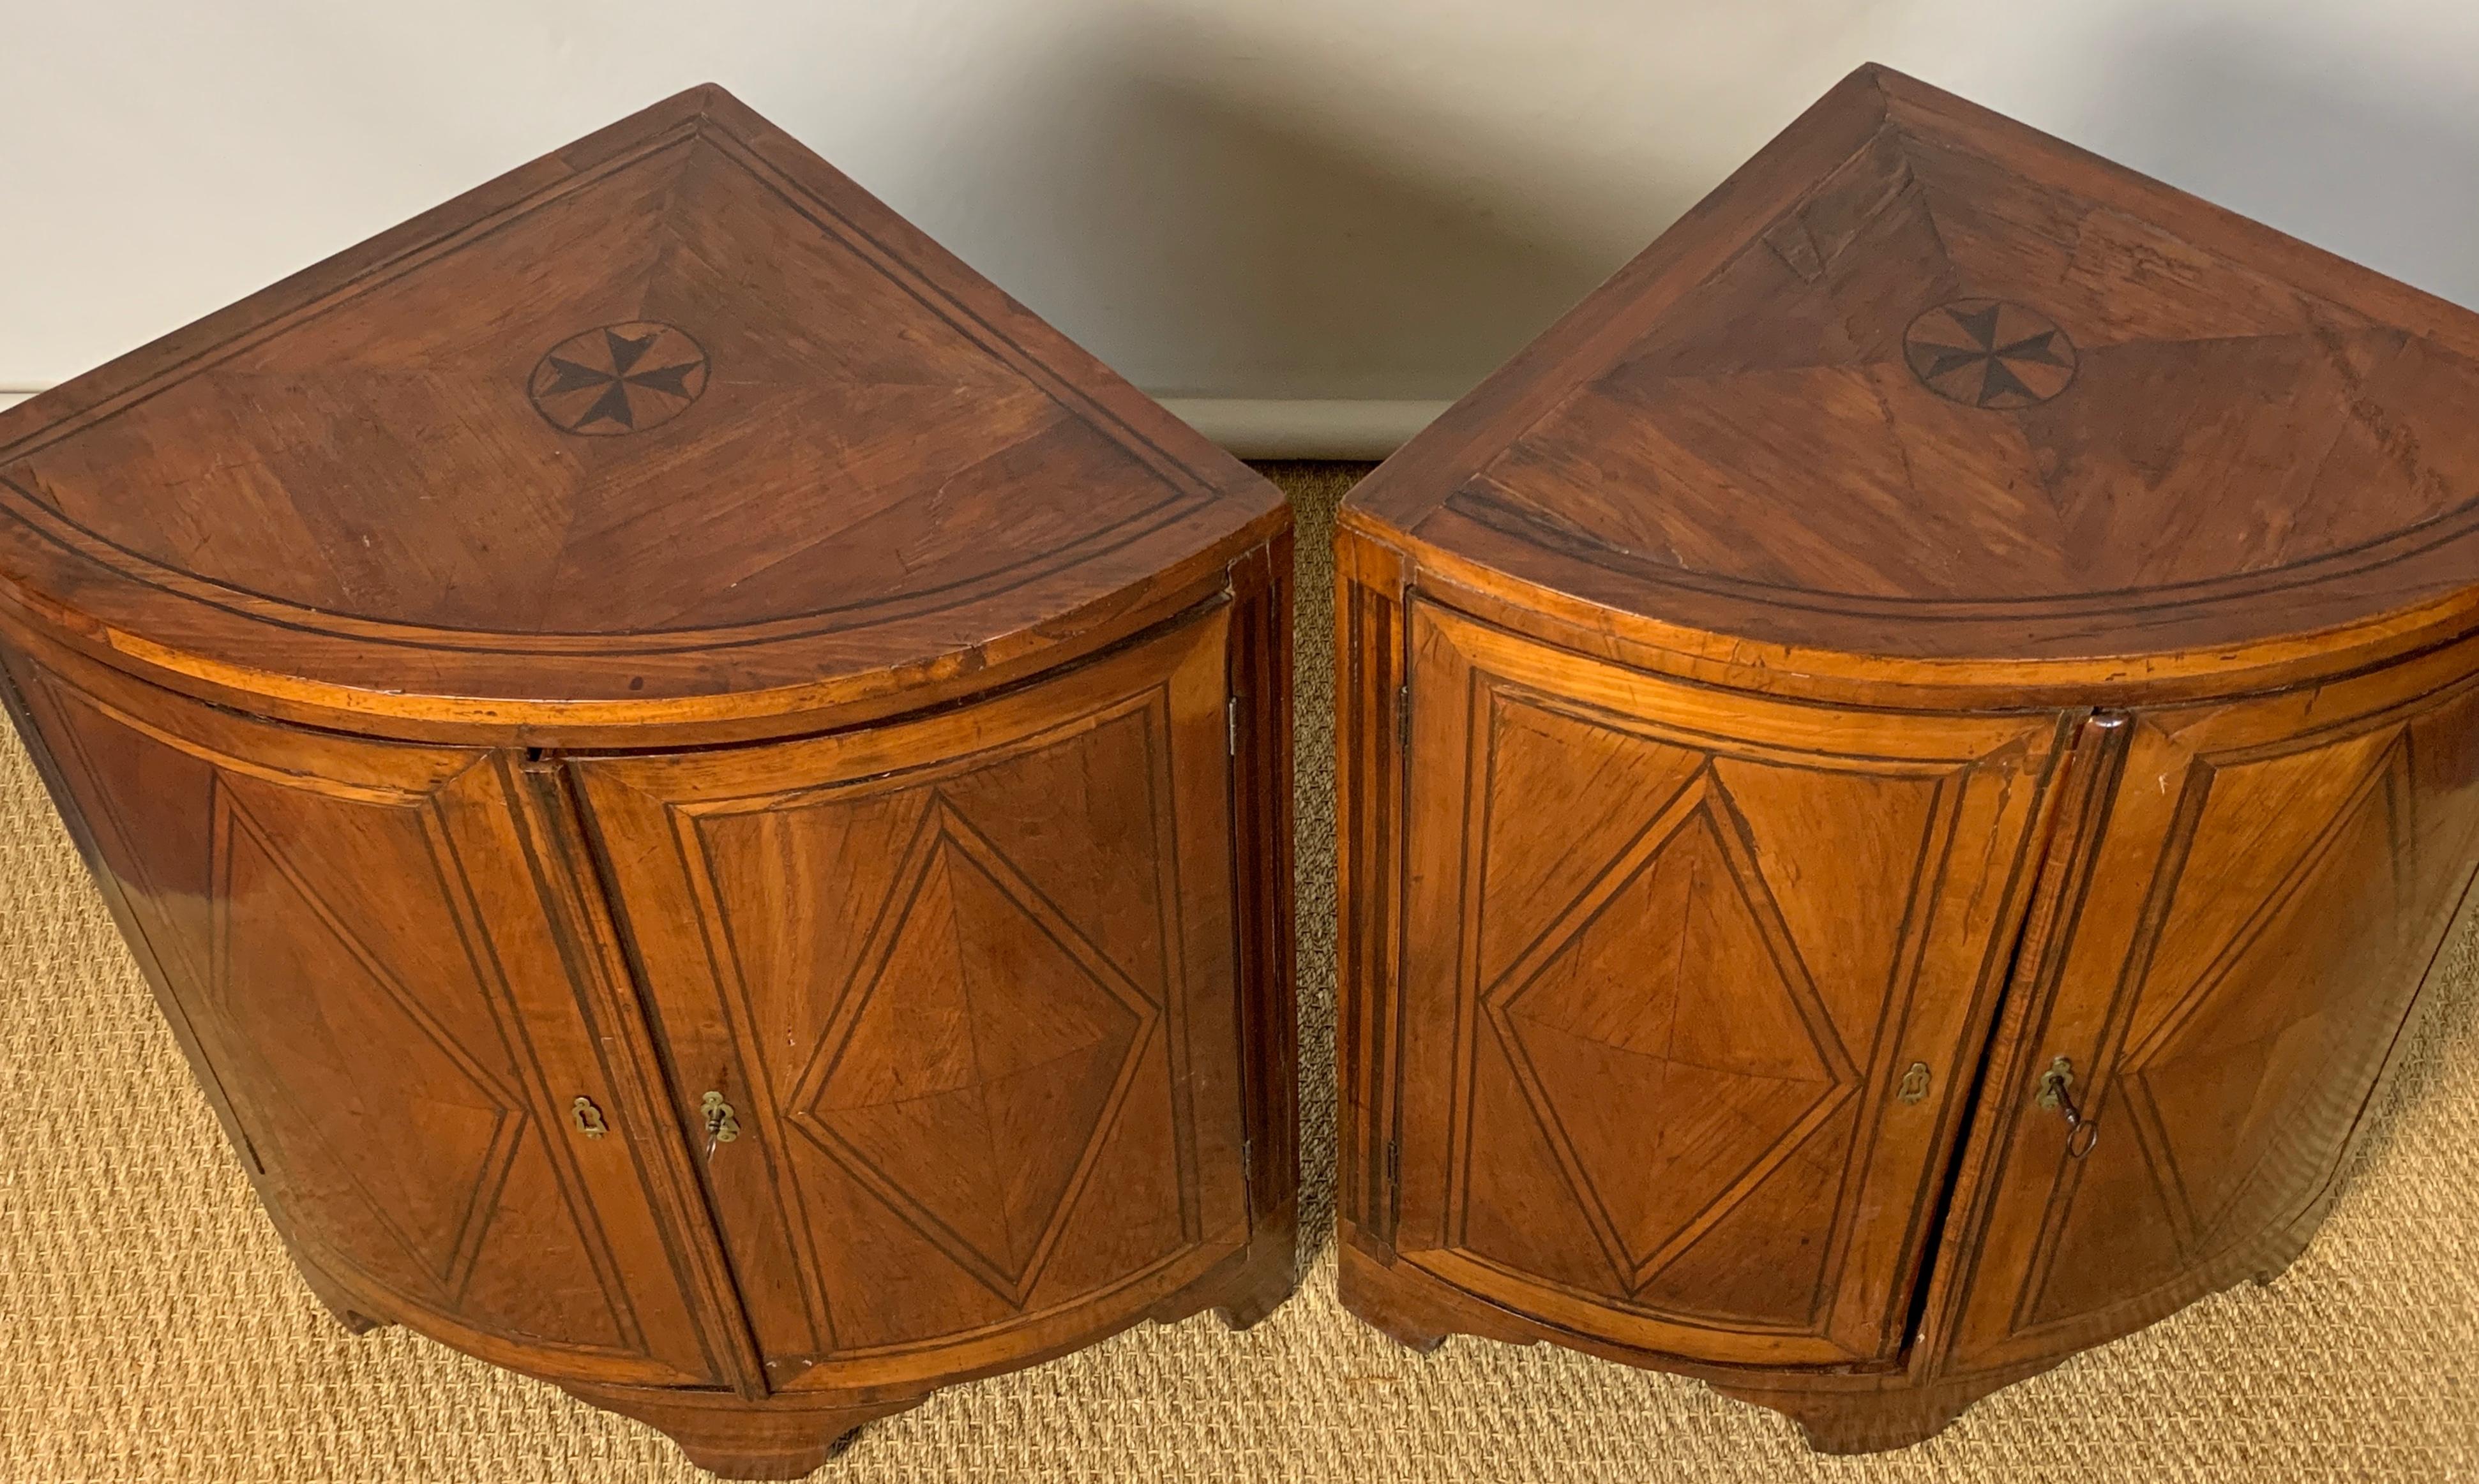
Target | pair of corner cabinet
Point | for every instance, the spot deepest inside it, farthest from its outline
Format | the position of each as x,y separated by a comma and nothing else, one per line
708,797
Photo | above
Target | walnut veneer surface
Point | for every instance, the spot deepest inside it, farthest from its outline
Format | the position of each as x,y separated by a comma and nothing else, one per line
707,798
1902,771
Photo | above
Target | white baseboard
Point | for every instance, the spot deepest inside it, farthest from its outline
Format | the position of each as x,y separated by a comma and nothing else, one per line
1251,427
1305,428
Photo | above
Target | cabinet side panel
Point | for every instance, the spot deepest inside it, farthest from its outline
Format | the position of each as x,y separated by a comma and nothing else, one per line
1368,758
1263,880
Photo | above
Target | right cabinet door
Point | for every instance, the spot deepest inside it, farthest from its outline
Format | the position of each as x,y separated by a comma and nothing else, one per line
2224,971
1694,987
964,985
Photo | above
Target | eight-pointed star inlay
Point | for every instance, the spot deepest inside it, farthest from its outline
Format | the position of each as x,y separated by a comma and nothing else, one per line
621,379
1989,353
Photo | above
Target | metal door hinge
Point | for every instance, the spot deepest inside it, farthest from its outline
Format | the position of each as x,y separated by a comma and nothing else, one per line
1393,1162
1403,716
1231,725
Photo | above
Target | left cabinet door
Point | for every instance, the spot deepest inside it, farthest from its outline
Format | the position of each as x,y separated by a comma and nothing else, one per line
357,940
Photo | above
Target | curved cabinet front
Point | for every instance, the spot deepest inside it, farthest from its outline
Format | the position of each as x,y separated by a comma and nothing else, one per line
754,1091
1864,1061
964,989
349,935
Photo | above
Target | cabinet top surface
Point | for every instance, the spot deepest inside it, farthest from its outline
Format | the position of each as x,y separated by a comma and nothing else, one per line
1922,384
677,419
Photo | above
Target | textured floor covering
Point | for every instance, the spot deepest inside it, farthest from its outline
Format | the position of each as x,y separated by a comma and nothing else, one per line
150,1328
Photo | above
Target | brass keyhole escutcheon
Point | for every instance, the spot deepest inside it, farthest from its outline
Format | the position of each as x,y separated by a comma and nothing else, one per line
721,1127
2057,1095
2056,1085
589,1118
1915,1084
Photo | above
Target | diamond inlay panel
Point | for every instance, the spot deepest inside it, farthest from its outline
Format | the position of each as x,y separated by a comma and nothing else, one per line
2236,1060
2260,923
1721,1045
978,1061
420,1137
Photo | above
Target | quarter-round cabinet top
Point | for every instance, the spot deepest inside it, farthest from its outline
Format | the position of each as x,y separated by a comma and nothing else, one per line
675,427
1924,397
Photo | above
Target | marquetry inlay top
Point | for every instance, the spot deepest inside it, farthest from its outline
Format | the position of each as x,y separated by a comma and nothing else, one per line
1920,383
678,416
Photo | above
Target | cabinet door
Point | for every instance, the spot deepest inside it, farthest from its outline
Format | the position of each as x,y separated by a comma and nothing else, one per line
351,936
1693,989
2230,964
967,986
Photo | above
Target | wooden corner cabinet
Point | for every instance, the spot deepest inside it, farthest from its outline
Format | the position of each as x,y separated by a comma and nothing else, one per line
1903,770
707,798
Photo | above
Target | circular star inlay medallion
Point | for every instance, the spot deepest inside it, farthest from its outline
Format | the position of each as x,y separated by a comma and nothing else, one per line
622,379
1989,353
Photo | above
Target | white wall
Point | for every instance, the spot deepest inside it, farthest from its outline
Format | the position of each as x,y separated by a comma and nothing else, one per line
1241,198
